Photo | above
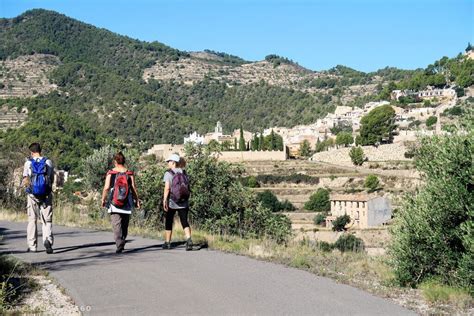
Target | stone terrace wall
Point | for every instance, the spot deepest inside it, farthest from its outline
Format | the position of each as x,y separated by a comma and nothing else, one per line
11,118
26,76
239,156
381,153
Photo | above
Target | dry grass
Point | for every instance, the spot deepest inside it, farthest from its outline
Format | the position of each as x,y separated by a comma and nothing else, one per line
435,293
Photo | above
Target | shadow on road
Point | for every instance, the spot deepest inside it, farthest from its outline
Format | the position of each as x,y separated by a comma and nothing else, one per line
72,248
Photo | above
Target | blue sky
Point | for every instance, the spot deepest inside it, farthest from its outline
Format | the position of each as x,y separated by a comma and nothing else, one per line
365,35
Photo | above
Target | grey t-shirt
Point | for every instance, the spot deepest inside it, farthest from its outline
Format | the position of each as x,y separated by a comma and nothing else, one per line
168,177
50,168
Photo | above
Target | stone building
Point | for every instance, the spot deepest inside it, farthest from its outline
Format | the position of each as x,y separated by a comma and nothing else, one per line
163,151
365,210
428,93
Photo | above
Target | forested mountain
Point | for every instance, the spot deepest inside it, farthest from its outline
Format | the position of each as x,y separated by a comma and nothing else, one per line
101,96
107,88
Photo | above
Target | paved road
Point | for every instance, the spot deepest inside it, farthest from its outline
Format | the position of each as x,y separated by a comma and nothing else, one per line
147,280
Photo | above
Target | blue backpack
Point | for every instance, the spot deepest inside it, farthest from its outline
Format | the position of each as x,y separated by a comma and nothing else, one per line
40,184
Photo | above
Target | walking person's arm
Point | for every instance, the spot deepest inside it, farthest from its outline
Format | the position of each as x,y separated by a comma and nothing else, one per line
51,174
166,195
134,192
25,181
106,189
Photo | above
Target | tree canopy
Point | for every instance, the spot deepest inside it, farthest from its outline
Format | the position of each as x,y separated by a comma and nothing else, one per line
377,126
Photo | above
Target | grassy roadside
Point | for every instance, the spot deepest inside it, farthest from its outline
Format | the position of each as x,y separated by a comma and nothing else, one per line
372,274
17,280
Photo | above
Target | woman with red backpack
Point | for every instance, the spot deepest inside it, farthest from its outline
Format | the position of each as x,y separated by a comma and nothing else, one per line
119,197
176,199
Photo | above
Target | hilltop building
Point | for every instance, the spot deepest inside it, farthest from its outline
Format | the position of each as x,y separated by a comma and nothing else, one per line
162,151
428,93
194,138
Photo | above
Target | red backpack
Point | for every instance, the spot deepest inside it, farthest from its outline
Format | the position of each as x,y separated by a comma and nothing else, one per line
121,188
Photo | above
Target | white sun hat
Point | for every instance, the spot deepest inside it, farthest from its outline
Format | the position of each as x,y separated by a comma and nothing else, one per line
173,157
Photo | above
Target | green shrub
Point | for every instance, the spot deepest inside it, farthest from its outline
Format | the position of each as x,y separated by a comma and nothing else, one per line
252,182
270,201
287,206
95,166
414,124
305,149
293,178
319,201
433,234
410,153
344,139
339,224
319,219
431,121
221,204
150,188
67,191
325,246
371,182
349,242
357,156
454,111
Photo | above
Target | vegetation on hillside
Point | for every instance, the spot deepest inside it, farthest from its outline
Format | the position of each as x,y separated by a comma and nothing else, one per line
433,236
377,126
101,91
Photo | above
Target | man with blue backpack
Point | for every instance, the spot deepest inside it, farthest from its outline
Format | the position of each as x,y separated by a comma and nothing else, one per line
38,177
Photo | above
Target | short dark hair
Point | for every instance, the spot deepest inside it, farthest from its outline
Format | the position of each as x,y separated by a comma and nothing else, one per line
35,148
119,158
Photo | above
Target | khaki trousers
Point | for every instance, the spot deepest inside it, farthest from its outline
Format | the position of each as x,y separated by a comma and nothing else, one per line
42,210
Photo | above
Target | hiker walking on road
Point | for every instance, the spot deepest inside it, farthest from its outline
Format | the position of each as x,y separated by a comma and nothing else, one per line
119,197
38,177
176,199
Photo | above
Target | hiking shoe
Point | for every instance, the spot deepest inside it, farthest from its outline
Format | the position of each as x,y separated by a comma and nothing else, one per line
120,249
49,248
189,244
166,245
30,249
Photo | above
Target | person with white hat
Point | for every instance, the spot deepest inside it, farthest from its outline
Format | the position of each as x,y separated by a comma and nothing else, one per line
176,199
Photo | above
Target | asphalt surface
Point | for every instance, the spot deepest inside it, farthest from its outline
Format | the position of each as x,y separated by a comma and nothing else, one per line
147,280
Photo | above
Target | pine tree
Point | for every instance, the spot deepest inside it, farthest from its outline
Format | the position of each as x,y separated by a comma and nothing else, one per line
272,141
242,140
255,144
261,143
235,143
469,47
305,149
